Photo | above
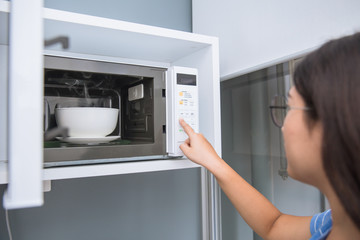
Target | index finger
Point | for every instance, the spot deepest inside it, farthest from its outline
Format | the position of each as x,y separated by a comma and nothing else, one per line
186,127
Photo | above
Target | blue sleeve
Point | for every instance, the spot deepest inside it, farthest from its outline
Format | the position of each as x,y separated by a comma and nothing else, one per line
320,225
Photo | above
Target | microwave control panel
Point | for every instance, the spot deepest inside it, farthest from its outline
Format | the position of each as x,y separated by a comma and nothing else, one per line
182,102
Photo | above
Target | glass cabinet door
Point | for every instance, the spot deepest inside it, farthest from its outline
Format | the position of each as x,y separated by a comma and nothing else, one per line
253,146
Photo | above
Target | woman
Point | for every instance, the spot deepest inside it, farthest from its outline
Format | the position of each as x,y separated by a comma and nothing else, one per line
322,142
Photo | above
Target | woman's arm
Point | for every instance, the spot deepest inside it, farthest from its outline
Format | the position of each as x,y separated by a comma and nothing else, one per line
261,215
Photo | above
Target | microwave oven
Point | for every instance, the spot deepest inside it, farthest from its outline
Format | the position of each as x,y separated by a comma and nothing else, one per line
146,102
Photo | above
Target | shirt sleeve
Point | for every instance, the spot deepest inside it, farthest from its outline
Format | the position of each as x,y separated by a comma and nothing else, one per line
321,224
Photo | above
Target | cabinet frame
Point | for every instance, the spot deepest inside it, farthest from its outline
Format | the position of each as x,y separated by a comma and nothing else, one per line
115,41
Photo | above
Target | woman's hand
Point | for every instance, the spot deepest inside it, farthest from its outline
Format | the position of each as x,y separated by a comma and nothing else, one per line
197,148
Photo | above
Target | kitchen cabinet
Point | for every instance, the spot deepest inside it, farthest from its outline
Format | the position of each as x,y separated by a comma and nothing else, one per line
99,39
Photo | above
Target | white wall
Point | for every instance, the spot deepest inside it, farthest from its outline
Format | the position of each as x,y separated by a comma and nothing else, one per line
254,33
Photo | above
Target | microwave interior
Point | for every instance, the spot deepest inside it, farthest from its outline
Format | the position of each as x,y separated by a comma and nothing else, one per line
137,92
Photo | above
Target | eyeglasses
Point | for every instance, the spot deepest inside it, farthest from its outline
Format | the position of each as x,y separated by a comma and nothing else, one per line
279,108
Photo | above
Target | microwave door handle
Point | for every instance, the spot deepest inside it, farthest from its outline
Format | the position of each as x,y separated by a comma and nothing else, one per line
25,109
63,40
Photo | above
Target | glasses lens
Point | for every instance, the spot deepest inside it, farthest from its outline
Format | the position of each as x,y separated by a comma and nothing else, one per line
278,110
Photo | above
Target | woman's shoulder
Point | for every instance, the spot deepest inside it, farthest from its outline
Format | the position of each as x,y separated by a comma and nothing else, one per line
320,225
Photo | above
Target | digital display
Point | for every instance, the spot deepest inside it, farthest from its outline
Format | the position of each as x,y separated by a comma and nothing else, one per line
186,79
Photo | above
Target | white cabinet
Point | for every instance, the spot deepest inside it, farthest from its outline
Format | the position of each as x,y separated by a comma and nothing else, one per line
103,39
257,34
24,114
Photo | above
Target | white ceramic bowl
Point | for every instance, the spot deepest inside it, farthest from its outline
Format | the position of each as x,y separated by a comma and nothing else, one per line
87,122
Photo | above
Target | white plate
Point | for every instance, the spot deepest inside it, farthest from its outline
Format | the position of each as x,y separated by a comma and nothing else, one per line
90,141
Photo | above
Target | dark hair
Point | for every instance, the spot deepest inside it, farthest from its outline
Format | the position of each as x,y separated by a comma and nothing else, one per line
328,79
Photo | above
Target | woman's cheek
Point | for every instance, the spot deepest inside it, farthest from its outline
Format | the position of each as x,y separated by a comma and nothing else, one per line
291,147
